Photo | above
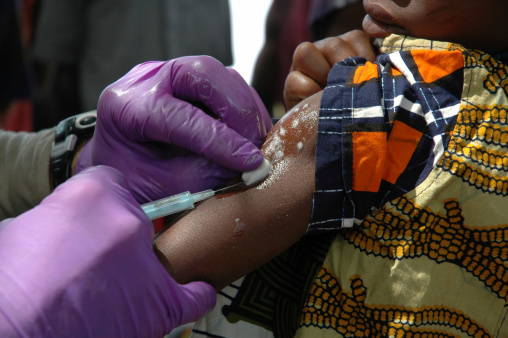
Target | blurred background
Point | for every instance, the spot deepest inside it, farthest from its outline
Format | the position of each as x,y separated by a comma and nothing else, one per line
56,56
248,24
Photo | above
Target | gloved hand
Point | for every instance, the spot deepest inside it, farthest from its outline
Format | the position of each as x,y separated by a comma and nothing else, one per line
145,114
313,61
81,264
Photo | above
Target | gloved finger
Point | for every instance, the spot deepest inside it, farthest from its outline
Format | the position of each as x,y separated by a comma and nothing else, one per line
354,43
263,112
104,190
309,60
102,175
199,298
203,135
297,88
235,74
265,117
191,172
206,80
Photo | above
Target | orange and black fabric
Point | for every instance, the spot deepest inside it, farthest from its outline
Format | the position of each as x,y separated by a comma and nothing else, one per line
412,151
382,127
430,259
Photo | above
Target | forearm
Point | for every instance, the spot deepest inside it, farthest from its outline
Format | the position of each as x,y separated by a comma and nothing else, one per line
24,170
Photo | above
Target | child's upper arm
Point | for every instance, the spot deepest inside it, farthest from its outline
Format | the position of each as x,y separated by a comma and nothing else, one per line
230,235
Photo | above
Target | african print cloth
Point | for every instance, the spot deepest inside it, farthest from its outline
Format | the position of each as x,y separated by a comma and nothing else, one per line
412,151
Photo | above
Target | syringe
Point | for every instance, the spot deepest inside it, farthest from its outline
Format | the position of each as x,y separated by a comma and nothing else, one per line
174,204
185,200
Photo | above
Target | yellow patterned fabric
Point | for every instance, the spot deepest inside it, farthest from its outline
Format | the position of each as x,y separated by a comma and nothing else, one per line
409,236
433,261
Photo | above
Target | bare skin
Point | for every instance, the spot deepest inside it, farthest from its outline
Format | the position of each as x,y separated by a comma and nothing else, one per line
226,237
229,236
477,24
313,61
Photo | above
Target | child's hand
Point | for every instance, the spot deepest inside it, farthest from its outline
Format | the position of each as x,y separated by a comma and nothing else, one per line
313,61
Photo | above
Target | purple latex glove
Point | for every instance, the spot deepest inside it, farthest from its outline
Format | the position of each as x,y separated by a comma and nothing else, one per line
81,264
165,145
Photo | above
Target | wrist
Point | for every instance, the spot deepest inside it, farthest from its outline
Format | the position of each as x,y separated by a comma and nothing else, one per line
71,135
79,149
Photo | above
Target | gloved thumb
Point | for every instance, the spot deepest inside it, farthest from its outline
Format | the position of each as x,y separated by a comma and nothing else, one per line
197,299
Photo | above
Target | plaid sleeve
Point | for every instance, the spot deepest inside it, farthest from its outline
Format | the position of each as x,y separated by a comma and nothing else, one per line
382,128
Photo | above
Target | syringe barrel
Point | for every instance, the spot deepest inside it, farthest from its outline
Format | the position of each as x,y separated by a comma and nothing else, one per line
169,205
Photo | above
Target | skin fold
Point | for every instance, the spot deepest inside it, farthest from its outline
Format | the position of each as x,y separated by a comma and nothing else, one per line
226,237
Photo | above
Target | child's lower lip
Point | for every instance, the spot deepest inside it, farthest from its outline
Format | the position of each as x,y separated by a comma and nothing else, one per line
379,29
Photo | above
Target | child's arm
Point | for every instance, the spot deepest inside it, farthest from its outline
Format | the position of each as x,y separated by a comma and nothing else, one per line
228,236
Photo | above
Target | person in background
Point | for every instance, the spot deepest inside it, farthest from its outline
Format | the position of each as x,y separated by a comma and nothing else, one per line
289,24
16,82
80,47
285,28
78,260
328,18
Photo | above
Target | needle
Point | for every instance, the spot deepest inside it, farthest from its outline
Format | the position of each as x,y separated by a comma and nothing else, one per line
185,200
